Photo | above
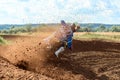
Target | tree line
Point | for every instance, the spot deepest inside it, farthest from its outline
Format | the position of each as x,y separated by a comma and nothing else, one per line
101,28
16,30
87,28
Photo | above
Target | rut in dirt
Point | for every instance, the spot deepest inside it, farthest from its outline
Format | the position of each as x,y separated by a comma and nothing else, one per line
53,67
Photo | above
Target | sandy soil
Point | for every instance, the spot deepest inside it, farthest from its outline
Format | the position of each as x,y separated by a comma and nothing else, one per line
26,58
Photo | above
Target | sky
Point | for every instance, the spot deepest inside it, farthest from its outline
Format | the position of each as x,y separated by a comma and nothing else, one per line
53,11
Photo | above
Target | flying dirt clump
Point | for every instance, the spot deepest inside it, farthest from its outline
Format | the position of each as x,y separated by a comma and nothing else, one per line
36,54
31,54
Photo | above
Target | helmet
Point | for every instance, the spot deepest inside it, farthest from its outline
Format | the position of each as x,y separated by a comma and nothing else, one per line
63,23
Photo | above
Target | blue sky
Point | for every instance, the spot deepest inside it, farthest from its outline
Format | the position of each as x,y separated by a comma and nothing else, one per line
52,11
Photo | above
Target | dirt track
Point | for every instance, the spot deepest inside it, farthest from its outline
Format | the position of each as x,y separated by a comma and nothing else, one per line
90,60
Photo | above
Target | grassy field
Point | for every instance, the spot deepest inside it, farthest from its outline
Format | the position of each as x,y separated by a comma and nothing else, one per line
2,41
95,35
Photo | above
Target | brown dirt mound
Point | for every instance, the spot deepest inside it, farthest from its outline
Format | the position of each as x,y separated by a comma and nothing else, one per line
30,54
9,72
90,60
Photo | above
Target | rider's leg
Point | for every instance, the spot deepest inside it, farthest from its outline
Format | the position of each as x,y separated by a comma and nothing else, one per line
61,49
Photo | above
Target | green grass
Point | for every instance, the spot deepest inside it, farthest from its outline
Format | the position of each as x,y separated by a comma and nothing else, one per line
97,36
3,41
